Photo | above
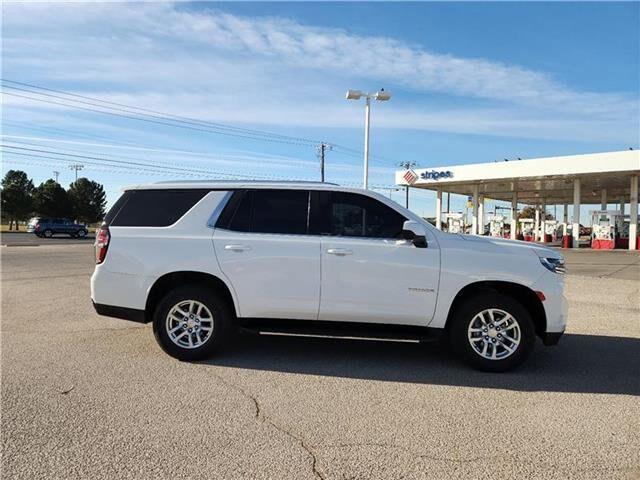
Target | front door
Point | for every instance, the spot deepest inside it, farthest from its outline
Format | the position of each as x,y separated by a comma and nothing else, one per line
368,273
263,247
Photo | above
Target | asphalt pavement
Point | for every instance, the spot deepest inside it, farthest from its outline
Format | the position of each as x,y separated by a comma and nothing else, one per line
85,396
25,239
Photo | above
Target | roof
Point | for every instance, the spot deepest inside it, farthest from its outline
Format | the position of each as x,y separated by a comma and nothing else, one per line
549,178
229,184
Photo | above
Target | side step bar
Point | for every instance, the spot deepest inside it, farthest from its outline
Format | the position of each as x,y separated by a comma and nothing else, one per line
343,330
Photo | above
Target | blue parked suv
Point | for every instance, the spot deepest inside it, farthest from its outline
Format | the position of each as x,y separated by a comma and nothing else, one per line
48,227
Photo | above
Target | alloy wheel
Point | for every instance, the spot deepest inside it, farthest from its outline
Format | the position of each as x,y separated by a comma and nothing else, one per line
189,324
494,334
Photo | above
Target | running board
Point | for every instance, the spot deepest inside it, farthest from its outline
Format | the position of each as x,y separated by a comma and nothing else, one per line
342,330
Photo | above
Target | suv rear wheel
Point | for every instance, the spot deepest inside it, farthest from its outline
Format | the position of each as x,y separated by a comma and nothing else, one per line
48,233
81,233
192,323
492,332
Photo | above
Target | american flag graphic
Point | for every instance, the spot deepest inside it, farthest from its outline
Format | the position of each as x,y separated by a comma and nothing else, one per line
410,176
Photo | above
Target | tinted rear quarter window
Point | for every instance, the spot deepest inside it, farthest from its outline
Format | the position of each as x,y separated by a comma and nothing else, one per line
152,208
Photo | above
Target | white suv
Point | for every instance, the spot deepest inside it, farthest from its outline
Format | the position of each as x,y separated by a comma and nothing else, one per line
202,260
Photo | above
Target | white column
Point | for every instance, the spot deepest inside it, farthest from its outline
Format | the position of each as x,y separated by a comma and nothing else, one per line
474,219
439,209
514,216
536,225
622,202
481,215
543,221
565,219
576,213
603,199
633,214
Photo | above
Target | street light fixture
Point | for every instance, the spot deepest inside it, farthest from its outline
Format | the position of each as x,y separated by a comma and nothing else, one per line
380,96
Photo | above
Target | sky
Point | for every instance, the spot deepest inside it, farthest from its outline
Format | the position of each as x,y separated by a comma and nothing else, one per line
470,82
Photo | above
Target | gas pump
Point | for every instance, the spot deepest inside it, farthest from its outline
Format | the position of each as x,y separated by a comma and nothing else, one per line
455,222
608,230
527,229
496,226
552,230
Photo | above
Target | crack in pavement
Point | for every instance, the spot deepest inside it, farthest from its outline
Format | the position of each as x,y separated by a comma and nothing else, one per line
260,416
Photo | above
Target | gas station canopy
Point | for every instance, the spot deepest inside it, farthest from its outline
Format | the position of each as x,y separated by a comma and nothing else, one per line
596,178
536,180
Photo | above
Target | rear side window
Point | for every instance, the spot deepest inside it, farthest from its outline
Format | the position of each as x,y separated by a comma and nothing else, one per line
353,215
152,208
113,211
267,211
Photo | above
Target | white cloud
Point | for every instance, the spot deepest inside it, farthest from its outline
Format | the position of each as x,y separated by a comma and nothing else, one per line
275,71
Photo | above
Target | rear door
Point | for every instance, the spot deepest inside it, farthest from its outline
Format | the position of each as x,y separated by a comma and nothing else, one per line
263,245
368,273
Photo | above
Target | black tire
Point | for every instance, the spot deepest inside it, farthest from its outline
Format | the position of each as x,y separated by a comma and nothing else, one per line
466,314
48,233
223,322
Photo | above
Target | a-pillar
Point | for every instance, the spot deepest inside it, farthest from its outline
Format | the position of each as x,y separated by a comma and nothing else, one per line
633,214
576,213
565,219
439,209
514,216
474,219
481,215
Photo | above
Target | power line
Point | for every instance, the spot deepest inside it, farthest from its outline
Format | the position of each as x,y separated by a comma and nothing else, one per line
166,119
52,161
145,149
155,112
157,122
130,163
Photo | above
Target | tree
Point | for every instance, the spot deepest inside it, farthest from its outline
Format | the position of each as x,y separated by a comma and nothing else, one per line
17,202
51,200
88,200
530,212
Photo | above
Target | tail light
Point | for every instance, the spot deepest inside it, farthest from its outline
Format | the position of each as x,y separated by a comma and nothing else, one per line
37,226
102,243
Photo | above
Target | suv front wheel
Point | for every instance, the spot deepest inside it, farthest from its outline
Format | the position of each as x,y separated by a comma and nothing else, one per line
492,332
192,323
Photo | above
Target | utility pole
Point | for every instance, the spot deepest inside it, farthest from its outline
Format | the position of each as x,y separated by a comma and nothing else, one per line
407,166
322,148
76,167
55,174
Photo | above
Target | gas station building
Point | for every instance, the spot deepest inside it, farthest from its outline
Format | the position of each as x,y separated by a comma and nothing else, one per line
577,180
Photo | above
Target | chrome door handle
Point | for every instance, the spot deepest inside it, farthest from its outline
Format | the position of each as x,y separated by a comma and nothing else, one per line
237,248
339,251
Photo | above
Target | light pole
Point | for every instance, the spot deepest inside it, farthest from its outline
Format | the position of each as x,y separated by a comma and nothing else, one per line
381,96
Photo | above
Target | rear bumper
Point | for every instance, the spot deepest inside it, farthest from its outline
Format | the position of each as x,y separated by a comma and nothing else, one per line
123,313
